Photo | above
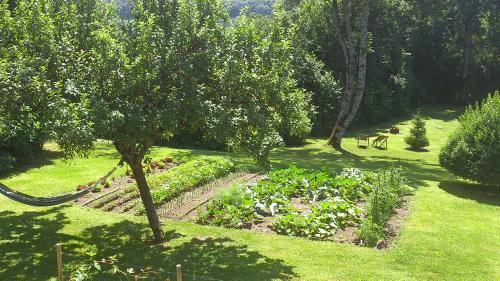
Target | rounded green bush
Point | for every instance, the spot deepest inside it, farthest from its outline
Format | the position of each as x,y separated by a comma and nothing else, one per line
473,150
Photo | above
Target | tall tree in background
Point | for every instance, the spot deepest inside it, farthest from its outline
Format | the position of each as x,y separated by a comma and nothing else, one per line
355,60
469,10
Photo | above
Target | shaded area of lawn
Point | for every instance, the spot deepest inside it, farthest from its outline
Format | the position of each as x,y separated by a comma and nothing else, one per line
28,239
42,158
27,243
482,194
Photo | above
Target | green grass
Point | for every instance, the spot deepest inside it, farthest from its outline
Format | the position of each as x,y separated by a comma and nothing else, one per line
451,232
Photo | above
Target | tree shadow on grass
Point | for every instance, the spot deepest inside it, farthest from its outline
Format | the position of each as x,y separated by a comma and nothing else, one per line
447,114
483,194
27,243
219,258
223,259
417,149
27,250
42,158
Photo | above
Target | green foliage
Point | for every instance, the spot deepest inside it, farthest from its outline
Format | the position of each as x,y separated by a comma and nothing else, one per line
473,150
417,138
257,78
389,187
331,198
107,183
314,76
331,201
97,189
165,186
229,208
323,221
7,163
262,7
370,233
162,165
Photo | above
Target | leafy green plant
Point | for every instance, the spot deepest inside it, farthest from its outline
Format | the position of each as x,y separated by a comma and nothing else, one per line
166,186
161,165
332,199
370,233
473,150
107,183
97,189
323,221
389,188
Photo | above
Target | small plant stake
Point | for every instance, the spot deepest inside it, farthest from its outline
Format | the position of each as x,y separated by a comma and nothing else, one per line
59,262
178,270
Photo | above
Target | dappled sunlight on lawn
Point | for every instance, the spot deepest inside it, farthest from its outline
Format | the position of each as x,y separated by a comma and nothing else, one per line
27,245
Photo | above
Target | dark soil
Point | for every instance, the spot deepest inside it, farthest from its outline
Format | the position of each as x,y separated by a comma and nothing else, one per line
264,225
396,221
117,183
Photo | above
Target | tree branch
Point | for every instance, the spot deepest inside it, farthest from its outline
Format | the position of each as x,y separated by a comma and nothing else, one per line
348,29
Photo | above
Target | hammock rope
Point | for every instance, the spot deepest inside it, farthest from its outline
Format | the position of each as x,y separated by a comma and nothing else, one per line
55,200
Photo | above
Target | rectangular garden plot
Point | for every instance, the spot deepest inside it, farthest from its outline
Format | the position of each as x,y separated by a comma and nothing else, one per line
167,181
349,206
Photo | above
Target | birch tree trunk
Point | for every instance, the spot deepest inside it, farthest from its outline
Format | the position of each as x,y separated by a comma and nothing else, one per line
355,60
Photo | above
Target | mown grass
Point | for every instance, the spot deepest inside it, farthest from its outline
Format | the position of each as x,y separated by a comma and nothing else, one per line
451,232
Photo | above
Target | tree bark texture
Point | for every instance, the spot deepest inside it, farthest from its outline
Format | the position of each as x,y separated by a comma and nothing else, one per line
355,60
134,159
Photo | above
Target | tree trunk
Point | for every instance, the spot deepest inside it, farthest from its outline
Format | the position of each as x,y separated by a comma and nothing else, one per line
464,95
341,126
355,68
147,200
134,156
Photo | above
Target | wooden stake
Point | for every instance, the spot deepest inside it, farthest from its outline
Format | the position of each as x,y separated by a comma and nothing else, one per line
179,272
59,262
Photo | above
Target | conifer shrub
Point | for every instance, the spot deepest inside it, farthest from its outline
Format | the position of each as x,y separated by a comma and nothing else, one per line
417,139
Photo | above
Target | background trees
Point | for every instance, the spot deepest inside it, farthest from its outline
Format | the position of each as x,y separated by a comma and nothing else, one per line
262,7
415,55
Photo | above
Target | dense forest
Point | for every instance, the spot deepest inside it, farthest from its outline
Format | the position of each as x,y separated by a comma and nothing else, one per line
262,7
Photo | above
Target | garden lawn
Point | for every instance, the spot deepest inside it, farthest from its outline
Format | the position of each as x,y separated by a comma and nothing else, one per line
452,231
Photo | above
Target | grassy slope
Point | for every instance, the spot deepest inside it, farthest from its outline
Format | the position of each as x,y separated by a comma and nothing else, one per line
451,232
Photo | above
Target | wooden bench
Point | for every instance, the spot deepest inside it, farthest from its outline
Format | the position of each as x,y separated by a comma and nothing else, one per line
364,138
380,142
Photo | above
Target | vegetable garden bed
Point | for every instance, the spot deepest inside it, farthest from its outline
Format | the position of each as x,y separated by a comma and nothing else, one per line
349,206
166,183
